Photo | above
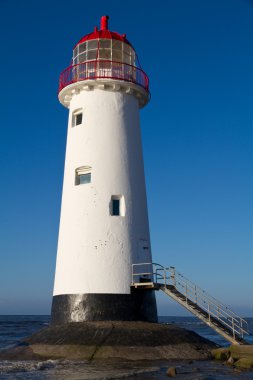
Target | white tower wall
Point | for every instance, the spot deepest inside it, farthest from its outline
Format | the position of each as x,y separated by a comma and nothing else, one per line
95,249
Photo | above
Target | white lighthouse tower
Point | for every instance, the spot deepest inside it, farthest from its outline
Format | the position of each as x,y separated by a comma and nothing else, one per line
104,220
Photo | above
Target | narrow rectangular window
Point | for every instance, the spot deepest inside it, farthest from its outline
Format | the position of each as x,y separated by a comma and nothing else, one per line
115,207
77,117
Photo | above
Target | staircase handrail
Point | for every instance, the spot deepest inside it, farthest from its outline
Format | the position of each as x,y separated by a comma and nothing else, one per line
214,308
222,309
207,294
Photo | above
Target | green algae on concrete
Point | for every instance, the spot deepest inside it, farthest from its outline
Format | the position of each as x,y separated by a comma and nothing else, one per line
241,356
220,354
244,363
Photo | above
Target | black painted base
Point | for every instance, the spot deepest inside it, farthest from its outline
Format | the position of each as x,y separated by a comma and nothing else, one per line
138,306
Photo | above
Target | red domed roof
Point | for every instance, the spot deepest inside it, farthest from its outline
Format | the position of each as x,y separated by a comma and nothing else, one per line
104,33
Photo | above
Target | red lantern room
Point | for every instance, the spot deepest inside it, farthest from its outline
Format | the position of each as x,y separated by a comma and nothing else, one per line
104,55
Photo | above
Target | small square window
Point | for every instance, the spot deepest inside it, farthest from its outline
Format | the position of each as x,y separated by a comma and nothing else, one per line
84,178
83,175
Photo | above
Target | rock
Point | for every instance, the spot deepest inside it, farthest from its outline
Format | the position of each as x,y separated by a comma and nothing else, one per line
240,356
220,354
230,360
241,351
171,372
244,363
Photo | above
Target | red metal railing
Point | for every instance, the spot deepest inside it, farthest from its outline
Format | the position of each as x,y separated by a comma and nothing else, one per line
103,69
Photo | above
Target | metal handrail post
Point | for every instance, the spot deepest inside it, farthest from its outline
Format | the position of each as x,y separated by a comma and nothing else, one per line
173,276
233,327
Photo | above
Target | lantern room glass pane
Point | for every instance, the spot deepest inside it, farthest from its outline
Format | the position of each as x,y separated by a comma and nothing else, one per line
82,47
127,58
75,52
91,55
127,48
105,53
105,44
117,55
93,44
116,45
134,59
82,58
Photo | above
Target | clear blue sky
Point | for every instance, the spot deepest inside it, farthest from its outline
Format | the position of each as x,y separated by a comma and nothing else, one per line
197,139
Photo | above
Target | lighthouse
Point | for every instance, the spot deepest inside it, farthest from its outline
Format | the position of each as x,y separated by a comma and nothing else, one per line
104,226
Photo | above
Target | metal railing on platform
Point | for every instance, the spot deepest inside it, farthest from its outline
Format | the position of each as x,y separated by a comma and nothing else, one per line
103,69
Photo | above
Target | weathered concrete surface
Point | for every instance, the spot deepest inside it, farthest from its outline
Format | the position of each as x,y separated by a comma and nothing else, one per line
238,356
107,340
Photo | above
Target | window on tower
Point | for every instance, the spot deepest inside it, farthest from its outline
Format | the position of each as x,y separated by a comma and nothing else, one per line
117,205
83,175
77,117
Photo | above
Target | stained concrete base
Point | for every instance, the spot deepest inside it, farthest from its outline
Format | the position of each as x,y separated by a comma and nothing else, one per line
112,340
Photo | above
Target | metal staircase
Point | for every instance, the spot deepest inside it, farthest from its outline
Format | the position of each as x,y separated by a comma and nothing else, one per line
211,311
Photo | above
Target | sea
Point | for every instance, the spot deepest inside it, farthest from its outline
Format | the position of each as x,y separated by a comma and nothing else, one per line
14,328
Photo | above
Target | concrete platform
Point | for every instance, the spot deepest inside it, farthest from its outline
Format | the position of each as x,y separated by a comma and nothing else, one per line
112,340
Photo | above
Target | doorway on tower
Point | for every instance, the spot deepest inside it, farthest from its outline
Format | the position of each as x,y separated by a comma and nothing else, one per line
144,257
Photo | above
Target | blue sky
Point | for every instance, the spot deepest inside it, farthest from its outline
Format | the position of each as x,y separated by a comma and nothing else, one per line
197,140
